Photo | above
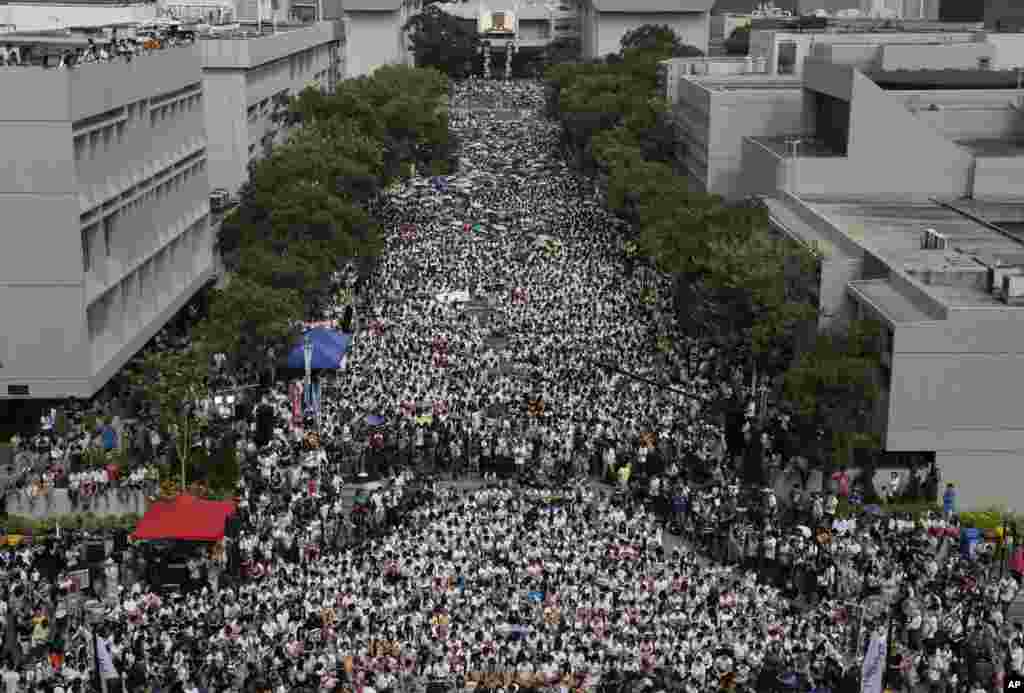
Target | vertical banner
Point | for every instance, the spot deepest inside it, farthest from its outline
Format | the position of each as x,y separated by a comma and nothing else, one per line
874,664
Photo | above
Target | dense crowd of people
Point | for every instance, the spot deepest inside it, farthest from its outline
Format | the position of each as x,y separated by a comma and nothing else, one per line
507,337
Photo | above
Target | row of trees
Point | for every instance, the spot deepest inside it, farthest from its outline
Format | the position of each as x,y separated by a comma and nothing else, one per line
301,217
736,282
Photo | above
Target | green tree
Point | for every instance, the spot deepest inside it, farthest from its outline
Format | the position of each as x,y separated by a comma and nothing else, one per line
176,381
833,388
443,41
564,49
247,317
660,38
738,42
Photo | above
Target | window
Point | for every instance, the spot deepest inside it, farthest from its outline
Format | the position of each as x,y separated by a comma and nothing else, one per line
108,233
108,138
153,115
787,58
120,132
79,148
88,234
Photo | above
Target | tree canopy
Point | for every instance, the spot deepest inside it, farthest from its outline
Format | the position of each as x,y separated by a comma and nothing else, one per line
834,388
303,212
738,42
443,41
659,38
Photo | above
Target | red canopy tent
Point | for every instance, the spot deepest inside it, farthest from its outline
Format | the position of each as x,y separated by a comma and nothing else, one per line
187,518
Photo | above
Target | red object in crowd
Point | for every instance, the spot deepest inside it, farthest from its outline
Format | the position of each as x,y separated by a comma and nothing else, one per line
1017,561
186,518
113,472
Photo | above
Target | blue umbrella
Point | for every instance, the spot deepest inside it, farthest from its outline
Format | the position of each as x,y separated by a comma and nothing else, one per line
873,510
374,420
328,348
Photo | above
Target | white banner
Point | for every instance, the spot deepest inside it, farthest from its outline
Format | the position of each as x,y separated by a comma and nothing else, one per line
874,665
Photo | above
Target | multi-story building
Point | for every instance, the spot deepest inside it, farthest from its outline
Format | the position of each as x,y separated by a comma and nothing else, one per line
247,82
36,16
901,166
111,168
374,34
603,23
105,202
718,102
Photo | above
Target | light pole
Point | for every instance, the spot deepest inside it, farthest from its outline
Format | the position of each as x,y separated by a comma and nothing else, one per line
94,614
794,148
1007,544
307,354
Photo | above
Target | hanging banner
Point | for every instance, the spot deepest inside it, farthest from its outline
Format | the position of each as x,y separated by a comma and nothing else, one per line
874,664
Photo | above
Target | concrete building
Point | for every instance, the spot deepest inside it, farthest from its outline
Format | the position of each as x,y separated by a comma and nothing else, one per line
374,34
247,80
1004,15
718,102
105,206
902,167
603,23
785,51
43,16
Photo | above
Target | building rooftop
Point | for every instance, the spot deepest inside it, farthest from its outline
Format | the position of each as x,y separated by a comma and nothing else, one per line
653,6
809,147
993,146
892,230
896,305
945,79
746,82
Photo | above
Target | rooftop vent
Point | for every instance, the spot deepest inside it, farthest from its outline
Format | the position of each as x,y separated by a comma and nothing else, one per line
996,275
932,240
1013,290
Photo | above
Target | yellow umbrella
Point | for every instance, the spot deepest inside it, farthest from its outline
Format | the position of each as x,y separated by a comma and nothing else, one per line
425,420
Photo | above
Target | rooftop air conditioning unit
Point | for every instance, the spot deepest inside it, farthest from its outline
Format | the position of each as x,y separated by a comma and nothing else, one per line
1013,289
932,240
996,275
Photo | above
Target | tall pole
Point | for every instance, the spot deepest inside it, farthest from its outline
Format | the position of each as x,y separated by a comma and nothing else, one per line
794,144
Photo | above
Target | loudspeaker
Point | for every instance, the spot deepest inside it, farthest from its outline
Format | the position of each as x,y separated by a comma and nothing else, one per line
95,552
346,320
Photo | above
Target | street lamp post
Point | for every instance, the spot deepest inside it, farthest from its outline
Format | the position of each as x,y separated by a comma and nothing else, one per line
1007,546
94,615
794,146
307,354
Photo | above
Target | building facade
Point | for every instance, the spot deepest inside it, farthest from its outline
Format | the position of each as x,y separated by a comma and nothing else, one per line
107,211
603,23
375,36
901,166
247,83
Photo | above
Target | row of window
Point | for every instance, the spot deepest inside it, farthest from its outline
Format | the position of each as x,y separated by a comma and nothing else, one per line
192,160
94,139
99,237
137,293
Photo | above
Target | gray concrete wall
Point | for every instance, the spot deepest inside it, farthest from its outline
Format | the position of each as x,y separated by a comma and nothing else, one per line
735,115
998,177
227,128
956,384
764,171
984,478
889,149
950,57
372,42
